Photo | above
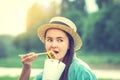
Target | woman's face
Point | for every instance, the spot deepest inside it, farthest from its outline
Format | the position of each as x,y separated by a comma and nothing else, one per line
57,41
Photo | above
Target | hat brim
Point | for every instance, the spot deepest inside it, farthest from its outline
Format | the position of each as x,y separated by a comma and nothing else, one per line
77,40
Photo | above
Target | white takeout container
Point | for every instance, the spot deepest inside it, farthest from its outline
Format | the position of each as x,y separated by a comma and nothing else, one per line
53,69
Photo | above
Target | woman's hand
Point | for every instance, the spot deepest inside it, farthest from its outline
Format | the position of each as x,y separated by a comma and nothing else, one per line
28,59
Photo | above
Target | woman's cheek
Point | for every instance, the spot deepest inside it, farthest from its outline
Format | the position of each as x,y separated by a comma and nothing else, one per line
47,47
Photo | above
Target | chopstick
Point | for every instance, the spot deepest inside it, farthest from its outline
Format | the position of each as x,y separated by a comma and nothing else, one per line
39,54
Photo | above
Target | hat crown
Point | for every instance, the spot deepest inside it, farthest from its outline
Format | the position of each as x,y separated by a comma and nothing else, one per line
64,21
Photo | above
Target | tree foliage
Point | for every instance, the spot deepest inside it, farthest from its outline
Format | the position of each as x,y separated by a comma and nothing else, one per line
109,26
6,46
29,42
102,32
99,31
37,14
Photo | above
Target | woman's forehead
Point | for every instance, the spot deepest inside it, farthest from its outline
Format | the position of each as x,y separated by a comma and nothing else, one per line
55,33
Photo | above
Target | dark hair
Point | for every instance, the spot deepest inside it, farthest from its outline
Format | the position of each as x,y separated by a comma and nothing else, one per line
68,58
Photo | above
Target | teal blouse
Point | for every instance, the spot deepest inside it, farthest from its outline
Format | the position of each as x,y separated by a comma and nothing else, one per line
78,70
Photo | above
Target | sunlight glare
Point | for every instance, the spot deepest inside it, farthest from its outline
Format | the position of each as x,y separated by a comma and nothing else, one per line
91,6
13,14
44,3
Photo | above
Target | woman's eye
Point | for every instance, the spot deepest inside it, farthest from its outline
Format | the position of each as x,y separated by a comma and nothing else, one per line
60,40
49,40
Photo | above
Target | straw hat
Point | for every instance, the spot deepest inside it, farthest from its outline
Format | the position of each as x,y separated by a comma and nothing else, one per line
64,24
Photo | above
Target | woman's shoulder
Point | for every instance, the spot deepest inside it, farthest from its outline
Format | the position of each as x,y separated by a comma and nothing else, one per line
80,68
77,62
80,63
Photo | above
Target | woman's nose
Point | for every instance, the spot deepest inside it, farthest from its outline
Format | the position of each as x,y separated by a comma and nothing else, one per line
54,44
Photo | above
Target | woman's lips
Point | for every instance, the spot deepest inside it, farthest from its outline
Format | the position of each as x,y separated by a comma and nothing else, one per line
56,52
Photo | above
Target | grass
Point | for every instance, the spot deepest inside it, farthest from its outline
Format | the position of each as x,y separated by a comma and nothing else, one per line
92,58
16,62
105,79
8,78
16,78
11,78
100,59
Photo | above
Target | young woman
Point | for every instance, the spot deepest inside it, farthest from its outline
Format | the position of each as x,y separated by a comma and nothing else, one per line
60,36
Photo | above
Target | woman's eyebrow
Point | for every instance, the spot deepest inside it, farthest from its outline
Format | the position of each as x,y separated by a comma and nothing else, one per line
59,37
56,38
48,37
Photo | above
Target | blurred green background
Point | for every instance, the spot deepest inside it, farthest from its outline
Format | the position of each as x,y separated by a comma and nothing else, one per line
99,30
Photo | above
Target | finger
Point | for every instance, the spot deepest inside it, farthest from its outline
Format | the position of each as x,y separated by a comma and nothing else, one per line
29,58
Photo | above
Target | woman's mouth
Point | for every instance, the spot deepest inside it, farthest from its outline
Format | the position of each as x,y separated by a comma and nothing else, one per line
56,52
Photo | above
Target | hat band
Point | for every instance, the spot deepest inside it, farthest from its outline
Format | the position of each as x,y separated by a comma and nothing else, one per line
58,22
